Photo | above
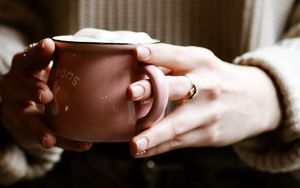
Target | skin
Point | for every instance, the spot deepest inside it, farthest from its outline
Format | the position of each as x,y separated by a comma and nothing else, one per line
234,102
22,110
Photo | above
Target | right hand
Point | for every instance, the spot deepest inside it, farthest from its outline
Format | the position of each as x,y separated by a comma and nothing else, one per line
24,93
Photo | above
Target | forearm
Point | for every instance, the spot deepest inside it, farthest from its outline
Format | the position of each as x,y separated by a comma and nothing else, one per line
277,151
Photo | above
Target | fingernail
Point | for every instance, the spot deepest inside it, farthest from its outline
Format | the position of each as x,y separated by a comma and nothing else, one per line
44,43
143,52
85,145
45,143
40,95
137,91
44,140
142,144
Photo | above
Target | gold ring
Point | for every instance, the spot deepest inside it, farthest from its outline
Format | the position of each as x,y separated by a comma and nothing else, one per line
193,91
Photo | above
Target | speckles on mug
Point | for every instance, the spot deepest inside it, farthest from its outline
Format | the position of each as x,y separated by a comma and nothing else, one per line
66,108
103,97
105,60
74,55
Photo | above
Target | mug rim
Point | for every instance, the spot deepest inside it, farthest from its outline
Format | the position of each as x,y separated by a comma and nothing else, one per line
62,38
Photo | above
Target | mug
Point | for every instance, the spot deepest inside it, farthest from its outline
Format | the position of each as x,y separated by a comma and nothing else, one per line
89,82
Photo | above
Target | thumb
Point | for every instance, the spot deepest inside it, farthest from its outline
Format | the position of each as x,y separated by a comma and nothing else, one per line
38,55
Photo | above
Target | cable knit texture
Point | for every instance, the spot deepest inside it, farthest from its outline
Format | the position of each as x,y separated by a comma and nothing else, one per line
18,164
228,27
284,156
15,166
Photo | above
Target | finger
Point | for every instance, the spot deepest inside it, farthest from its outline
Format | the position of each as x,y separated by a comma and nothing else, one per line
46,137
180,121
38,91
30,129
35,120
179,87
37,57
172,57
196,138
43,75
165,70
143,107
139,90
33,90
71,145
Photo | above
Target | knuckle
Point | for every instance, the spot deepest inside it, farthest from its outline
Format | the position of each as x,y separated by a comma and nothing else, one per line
214,92
217,116
178,128
38,84
204,56
179,53
218,112
212,135
175,143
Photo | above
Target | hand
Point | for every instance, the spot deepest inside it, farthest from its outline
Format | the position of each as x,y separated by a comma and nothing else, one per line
234,102
24,92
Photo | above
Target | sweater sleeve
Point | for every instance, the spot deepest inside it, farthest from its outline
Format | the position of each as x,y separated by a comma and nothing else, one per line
16,163
279,150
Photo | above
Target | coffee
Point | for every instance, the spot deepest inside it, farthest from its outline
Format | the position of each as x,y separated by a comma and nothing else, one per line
92,35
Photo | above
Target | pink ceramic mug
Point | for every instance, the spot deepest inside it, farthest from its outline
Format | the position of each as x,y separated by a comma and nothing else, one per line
89,82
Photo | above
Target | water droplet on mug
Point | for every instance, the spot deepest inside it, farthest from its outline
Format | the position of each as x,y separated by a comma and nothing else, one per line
66,108
74,55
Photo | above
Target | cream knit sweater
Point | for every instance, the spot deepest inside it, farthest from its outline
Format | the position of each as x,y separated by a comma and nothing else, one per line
246,32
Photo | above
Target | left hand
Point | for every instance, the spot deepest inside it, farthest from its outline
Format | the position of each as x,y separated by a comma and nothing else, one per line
24,93
234,102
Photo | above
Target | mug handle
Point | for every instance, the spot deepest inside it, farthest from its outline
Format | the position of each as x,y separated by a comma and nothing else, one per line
160,93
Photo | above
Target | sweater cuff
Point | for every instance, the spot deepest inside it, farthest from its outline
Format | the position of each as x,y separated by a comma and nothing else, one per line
279,150
11,42
16,164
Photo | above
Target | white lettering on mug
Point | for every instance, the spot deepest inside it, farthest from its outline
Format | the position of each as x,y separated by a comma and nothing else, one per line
68,76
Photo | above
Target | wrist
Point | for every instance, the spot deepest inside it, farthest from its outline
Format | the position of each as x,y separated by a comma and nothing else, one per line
258,85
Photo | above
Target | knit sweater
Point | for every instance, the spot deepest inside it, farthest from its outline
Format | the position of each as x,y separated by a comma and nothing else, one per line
262,33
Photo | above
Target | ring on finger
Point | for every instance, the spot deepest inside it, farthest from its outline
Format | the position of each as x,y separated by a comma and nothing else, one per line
30,46
193,92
